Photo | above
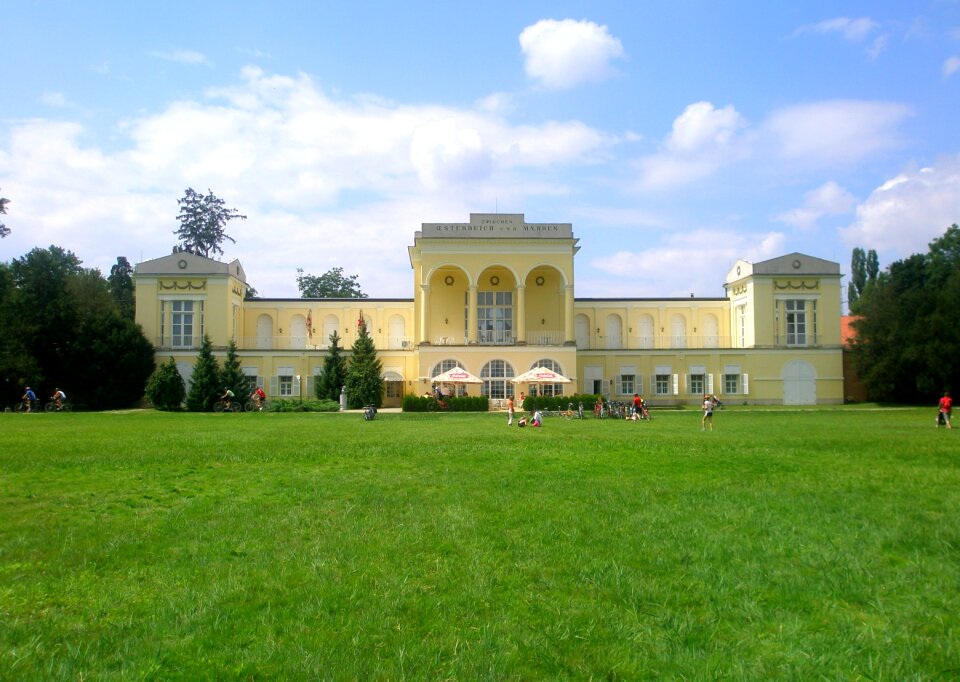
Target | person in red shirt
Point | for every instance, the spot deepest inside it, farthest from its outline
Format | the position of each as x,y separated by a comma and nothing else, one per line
946,407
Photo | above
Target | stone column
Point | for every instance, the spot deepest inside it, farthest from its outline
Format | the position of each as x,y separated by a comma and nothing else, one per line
521,338
472,314
568,331
424,313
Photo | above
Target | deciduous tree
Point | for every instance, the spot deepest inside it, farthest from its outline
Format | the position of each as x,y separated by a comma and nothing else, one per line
331,284
203,223
166,389
4,230
121,286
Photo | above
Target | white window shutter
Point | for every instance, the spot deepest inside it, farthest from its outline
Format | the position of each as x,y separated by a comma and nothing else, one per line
296,385
639,386
676,384
709,383
686,383
746,384
274,386
310,389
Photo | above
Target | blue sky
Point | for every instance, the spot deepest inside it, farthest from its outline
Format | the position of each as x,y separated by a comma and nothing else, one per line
675,136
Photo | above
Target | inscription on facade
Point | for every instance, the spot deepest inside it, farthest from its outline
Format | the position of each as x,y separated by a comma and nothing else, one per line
487,225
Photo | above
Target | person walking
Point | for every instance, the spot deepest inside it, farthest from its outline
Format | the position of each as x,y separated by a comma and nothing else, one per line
708,406
946,408
510,410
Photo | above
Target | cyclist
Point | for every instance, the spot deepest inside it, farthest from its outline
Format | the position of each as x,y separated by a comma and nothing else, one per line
227,398
58,397
29,397
258,396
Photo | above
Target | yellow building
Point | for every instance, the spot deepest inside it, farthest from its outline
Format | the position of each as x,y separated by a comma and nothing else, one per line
496,297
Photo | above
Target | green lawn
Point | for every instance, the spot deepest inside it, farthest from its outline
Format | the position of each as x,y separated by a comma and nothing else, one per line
787,544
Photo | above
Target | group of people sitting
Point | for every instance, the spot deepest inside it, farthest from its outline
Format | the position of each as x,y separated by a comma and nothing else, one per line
535,420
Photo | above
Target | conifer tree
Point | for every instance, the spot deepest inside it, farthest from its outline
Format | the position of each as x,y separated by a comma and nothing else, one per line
334,371
232,376
364,381
205,386
166,389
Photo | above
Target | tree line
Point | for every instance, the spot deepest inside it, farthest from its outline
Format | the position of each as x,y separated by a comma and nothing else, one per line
360,378
69,327
906,347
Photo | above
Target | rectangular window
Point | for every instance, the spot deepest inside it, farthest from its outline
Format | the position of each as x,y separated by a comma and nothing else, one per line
495,317
392,389
731,383
286,385
661,385
627,384
698,384
796,322
742,325
181,324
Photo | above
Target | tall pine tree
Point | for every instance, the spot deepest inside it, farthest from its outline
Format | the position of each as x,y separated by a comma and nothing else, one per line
232,376
334,371
364,376
205,384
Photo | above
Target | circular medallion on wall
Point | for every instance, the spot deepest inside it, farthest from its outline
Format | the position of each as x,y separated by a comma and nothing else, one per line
494,280
539,280
796,264
448,280
182,264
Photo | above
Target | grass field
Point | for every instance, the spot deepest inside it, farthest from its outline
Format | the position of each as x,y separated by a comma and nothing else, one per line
785,545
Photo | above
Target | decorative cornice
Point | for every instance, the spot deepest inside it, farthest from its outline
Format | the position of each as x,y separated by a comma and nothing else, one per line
796,285
185,286
739,289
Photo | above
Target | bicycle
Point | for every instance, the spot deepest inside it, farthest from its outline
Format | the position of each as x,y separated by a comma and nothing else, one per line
22,406
52,406
254,406
224,406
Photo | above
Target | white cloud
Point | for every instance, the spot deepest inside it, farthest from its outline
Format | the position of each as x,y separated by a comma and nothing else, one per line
687,262
563,54
838,131
317,177
828,199
55,99
444,152
854,30
701,126
951,66
904,214
181,56
702,139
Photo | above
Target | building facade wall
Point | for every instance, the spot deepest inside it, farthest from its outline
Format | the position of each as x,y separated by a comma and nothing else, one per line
496,296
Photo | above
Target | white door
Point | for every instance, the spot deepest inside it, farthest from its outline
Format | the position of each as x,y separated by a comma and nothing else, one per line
799,383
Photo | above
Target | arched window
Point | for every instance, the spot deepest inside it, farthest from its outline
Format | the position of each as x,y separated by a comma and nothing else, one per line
678,331
496,376
445,366
645,331
298,332
264,332
548,389
710,331
614,331
331,324
581,325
